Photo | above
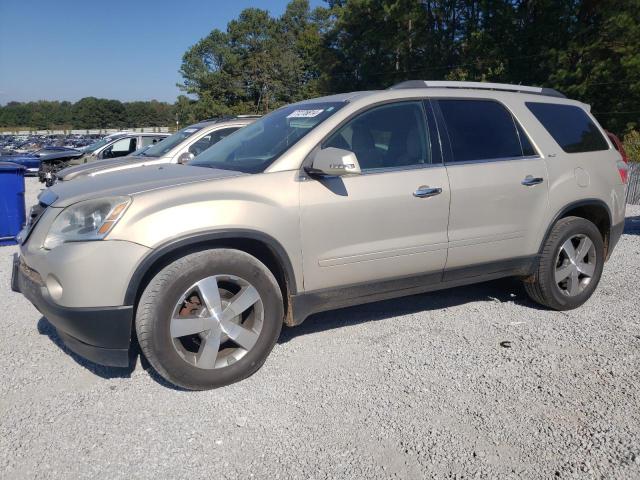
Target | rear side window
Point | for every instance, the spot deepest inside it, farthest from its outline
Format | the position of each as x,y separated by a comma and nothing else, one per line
483,130
570,127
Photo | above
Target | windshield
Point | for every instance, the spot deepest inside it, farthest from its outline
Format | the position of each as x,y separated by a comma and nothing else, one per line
253,148
162,148
96,145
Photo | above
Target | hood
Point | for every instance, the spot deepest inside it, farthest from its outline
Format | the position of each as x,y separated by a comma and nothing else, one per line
130,182
62,154
90,168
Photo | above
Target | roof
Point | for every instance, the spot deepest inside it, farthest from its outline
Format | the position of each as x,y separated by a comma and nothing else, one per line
550,92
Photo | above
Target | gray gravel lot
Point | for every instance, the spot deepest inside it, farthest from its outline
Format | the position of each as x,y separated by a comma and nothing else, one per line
418,387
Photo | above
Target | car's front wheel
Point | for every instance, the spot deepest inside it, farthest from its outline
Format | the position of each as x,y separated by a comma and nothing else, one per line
210,318
570,265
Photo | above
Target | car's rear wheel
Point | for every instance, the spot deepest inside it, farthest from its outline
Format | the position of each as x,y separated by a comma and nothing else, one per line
210,318
570,265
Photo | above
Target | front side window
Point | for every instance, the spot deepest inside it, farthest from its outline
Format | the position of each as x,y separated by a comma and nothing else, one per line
210,139
388,136
483,130
570,127
120,148
253,148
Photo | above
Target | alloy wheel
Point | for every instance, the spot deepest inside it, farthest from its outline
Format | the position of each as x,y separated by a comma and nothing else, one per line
217,321
575,265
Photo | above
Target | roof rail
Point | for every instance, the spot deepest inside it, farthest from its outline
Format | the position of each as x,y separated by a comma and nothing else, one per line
549,92
223,118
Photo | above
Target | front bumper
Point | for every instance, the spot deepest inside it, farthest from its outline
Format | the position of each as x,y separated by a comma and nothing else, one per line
102,335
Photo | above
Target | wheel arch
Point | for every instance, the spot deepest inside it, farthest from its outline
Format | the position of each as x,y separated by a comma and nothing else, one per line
594,210
262,246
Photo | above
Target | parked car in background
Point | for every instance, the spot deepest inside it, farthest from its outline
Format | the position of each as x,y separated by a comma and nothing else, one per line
322,204
31,161
180,147
113,146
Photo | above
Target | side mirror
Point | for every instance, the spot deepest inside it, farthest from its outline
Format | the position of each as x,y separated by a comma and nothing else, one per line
334,162
185,157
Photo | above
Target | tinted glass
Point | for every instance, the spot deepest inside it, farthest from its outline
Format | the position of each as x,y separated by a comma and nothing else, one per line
482,130
525,143
253,148
570,127
393,135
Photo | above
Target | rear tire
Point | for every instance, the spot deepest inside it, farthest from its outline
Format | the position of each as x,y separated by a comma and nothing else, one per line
186,293
570,266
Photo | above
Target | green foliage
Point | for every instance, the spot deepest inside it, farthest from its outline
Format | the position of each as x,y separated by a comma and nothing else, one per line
589,50
631,144
586,49
259,63
89,112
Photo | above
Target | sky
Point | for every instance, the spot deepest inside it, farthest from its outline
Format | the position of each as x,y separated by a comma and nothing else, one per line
117,49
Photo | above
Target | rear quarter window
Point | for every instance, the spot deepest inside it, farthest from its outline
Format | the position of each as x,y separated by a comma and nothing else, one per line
570,127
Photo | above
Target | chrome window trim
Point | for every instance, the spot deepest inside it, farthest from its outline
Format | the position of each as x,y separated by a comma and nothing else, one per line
403,168
491,160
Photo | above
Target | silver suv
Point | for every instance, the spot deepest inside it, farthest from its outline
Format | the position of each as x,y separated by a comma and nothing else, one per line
180,147
326,203
113,146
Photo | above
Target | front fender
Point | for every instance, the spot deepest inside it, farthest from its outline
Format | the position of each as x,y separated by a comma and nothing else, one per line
263,207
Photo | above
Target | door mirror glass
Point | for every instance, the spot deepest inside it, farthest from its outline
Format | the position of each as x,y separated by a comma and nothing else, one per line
185,157
335,162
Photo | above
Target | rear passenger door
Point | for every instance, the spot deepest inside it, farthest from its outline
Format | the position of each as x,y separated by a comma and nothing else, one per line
498,187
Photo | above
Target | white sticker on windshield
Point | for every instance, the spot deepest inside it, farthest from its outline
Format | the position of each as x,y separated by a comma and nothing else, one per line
305,113
190,130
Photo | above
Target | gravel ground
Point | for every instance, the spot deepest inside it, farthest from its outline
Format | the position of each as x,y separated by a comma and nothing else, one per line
418,387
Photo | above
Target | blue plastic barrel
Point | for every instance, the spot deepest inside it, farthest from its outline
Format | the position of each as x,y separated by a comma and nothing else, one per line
12,211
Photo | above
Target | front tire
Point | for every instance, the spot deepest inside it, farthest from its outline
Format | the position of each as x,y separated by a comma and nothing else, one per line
570,266
210,318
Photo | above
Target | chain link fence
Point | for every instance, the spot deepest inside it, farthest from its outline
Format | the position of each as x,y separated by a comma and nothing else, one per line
633,192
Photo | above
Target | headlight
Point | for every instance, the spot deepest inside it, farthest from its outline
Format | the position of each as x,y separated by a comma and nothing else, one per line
85,221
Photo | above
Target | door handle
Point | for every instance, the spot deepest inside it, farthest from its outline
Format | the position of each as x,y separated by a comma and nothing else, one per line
424,191
530,180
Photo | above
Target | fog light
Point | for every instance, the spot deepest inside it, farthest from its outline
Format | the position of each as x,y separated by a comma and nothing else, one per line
54,287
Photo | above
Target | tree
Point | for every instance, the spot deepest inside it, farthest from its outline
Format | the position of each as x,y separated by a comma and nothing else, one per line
257,64
601,63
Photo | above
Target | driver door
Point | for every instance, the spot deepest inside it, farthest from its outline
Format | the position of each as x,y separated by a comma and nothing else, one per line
377,226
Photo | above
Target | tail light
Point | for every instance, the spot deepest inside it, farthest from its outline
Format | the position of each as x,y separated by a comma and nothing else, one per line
623,168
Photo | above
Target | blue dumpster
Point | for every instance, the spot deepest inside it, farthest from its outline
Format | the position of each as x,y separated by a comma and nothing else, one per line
12,211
